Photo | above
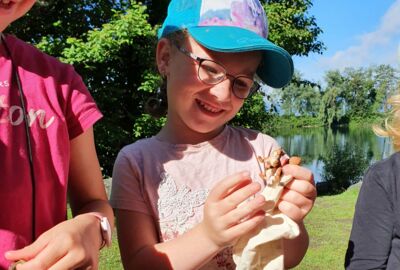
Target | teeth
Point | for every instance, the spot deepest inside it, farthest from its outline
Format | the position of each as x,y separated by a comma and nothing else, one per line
6,1
209,108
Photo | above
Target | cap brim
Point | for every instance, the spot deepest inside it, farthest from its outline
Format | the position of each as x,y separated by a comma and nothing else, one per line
276,68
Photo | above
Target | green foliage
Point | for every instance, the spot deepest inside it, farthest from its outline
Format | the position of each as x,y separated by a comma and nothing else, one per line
53,21
298,98
292,27
291,121
331,106
344,165
357,93
253,114
145,126
106,43
117,63
387,83
349,96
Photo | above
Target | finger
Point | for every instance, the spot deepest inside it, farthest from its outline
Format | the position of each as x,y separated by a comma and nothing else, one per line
227,185
292,211
297,199
238,187
246,226
244,211
298,172
27,252
284,160
45,259
233,200
74,260
303,187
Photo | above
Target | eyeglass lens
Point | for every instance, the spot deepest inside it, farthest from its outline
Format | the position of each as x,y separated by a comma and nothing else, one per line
211,72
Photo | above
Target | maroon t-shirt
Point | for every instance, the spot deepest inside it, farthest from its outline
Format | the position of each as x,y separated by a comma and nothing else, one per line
59,108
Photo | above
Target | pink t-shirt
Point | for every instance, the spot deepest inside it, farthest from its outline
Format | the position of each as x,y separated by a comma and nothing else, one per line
171,182
59,109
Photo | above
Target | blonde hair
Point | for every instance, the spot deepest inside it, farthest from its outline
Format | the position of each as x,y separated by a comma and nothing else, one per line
391,127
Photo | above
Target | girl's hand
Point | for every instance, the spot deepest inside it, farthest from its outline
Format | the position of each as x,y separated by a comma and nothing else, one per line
228,214
299,195
72,244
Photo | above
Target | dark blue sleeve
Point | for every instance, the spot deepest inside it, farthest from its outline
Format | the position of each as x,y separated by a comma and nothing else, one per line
371,235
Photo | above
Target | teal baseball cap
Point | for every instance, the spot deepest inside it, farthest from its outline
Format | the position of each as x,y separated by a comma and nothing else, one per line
231,26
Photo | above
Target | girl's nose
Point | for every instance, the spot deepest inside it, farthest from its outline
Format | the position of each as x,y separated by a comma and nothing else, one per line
222,91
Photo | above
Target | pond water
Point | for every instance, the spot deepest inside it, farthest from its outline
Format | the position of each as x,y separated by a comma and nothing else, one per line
313,143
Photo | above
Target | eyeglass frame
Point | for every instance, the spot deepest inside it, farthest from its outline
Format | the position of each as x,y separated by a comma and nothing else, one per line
256,81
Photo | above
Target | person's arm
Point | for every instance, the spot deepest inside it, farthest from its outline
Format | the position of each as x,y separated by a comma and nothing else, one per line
86,186
296,202
140,250
295,249
373,224
73,243
222,225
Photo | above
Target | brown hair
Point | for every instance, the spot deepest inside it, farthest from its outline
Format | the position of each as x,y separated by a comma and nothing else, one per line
391,127
157,105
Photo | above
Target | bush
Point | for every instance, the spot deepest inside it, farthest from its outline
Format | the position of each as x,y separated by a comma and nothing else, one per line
344,166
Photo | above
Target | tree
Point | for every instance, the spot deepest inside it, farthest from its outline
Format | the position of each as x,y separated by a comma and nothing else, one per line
344,165
359,92
253,114
117,64
300,99
386,82
292,27
332,106
54,21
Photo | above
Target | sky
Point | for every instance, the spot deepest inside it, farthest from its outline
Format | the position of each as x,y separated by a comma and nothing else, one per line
357,33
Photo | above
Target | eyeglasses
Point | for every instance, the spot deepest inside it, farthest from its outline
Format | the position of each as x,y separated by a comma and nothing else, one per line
212,73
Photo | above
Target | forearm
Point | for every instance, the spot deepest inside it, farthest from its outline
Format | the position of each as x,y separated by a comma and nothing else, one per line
295,249
85,184
188,251
99,206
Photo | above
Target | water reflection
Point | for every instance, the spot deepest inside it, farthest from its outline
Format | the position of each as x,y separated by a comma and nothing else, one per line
312,143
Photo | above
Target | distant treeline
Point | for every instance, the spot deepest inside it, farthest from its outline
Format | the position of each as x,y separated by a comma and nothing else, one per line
351,96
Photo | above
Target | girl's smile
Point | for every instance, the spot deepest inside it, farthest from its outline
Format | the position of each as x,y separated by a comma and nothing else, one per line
208,108
6,4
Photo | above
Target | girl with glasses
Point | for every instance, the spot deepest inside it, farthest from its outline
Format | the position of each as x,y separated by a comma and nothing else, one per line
185,196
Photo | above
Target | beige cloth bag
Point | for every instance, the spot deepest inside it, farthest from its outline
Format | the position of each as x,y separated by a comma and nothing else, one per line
262,248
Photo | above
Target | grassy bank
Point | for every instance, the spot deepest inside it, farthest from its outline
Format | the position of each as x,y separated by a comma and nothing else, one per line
110,258
328,224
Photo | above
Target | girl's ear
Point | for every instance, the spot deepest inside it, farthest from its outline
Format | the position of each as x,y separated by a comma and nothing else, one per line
163,56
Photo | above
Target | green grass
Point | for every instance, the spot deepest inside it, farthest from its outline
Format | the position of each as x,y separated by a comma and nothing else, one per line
328,225
109,257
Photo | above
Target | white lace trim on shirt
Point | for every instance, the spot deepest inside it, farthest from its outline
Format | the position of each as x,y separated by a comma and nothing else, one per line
176,205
